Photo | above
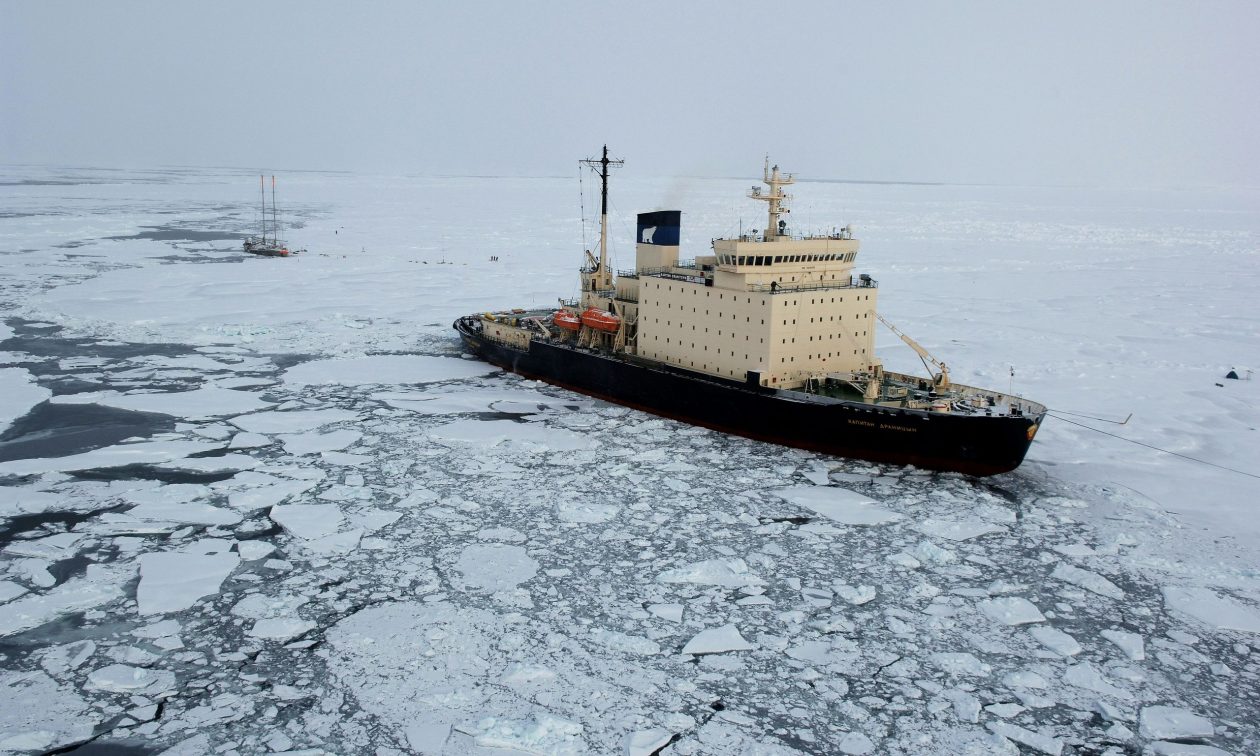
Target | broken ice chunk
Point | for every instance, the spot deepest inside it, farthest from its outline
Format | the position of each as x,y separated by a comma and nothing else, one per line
121,678
1056,640
855,744
1130,643
1086,675
1036,741
246,440
668,612
1090,581
308,521
1011,610
315,442
1216,611
728,573
960,664
856,595
171,581
957,530
496,566
717,640
838,504
646,742
629,644
1171,722
280,629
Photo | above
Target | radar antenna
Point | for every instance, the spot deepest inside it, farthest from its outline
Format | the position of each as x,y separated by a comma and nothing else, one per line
603,279
774,199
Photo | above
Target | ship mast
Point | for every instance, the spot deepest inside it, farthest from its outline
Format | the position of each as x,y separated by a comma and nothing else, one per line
774,199
262,195
275,227
602,280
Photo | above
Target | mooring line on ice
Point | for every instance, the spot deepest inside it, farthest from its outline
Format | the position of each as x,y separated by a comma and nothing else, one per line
1092,417
1156,448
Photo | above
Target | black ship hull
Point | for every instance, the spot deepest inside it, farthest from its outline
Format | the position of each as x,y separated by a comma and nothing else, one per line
970,444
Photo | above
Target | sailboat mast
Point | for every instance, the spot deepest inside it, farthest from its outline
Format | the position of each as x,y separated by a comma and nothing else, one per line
275,226
262,196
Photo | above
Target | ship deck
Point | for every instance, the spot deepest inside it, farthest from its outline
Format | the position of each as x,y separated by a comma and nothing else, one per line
897,390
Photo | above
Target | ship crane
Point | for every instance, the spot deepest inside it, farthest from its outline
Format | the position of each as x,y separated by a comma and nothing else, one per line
940,378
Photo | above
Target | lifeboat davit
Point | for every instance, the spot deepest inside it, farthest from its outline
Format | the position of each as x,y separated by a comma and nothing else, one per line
567,320
601,320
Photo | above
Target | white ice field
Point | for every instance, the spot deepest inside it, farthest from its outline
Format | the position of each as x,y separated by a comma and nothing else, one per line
254,505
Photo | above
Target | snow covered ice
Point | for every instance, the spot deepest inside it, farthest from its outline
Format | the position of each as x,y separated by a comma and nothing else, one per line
256,505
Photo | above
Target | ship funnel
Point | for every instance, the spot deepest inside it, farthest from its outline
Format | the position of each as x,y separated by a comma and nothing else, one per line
656,239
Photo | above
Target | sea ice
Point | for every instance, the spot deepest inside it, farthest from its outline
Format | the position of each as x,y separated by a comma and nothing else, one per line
314,443
1056,640
667,612
856,595
10,590
1130,643
244,440
717,640
838,504
544,734
1090,581
39,715
1036,741
957,530
627,644
1087,676
308,521
100,586
122,678
198,404
1172,723
280,629
291,421
1011,610
646,742
728,573
588,512
959,663
140,453
18,394
1211,609
530,437
171,581
496,566
384,369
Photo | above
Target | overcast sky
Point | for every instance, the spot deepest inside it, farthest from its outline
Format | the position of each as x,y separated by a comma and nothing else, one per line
1050,92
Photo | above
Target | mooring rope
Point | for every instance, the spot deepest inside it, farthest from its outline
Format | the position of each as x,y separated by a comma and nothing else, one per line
1156,448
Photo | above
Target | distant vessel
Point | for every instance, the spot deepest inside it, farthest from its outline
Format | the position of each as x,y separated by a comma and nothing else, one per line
271,246
771,336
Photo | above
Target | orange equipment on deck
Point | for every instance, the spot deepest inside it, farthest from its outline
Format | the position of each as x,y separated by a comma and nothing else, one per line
567,320
601,320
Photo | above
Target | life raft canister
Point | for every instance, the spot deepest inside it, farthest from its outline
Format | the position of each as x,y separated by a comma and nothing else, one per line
601,320
567,320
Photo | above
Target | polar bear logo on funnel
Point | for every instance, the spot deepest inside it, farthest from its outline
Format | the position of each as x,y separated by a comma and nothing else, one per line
648,234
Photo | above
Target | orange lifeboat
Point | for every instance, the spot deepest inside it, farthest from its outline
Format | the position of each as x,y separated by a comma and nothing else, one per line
567,320
601,320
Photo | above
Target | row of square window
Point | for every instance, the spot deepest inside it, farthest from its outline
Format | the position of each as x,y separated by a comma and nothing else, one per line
773,259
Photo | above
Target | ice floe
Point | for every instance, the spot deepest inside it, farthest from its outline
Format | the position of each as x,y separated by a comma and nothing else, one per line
198,404
18,394
838,504
495,566
171,581
384,369
1212,609
717,640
